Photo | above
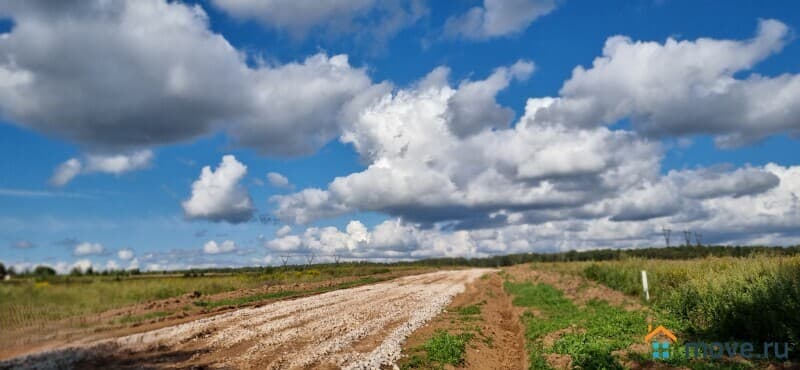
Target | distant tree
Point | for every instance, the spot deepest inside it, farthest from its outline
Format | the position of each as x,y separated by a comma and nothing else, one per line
90,271
44,271
2,270
76,271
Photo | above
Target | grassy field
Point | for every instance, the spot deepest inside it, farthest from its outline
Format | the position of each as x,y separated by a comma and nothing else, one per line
32,301
754,298
589,335
750,299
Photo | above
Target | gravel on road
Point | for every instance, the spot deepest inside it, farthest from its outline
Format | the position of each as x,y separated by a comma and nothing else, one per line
356,328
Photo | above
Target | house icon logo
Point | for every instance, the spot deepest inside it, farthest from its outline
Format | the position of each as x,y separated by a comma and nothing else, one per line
660,339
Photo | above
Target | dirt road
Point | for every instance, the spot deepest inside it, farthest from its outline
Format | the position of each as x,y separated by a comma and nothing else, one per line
357,328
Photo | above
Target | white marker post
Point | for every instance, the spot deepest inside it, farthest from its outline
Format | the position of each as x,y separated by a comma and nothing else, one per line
644,286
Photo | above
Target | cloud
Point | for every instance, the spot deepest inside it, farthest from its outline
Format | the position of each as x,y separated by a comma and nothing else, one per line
118,163
133,264
307,205
114,164
38,193
125,254
284,243
497,18
212,247
283,231
630,219
217,195
65,172
668,89
23,244
418,169
86,248
533,184
82,265
112,265
473,107
172,81
299,107
715,183
371,20
67,242
277,180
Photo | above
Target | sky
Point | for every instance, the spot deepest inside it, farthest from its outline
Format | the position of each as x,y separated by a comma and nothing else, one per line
164,135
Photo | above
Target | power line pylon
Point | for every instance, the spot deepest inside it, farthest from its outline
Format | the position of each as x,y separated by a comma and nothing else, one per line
666,233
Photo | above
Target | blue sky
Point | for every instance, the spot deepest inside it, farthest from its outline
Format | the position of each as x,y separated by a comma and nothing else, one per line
140,207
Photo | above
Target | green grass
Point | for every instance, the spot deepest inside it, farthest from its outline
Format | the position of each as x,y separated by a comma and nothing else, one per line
474,309
591,333
134,319
27,302
752,299
440,350
247,299
745,299
446,348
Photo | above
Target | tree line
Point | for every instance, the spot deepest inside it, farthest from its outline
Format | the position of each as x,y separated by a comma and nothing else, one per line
669,253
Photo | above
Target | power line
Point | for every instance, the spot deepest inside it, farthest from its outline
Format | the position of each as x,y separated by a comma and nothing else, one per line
666,232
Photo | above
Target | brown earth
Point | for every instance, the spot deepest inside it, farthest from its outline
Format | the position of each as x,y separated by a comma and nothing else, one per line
360,327
182,309
498,341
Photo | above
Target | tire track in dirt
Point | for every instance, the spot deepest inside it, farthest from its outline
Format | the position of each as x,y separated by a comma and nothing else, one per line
328,330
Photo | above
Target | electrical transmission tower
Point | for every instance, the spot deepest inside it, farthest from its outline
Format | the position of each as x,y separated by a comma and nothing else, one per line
698,238
688,236
667,233
309,259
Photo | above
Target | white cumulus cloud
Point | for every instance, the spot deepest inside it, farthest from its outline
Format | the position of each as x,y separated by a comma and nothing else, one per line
212,247
171,81
497,18
277,180
681,88
86,248
104,163
218,196
125,254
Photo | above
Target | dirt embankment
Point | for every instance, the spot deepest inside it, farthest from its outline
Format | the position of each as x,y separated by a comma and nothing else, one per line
498,341
361,327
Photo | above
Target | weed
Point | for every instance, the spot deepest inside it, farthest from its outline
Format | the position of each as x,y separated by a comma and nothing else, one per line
446,348
135,319
592,332
469,310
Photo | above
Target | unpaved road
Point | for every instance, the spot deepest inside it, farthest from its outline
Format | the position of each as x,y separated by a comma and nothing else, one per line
357,328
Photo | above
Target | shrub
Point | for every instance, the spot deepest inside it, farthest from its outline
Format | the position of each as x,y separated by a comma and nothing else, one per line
44,271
